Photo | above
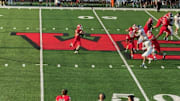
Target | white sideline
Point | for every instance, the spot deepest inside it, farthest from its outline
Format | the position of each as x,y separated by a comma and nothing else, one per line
41,58
120,54
157,20
88,8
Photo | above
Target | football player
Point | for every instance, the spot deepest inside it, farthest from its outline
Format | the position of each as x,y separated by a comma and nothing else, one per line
77,38
171,22
130,43
147,46
141,34
101,97
155,44
64,96
148,25
164,28
177,22
132,28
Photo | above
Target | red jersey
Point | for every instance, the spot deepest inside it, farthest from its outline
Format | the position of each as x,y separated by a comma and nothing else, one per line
159,22
77,32
130,40
130,29
154,42
63,98
148,25
165,21
151,38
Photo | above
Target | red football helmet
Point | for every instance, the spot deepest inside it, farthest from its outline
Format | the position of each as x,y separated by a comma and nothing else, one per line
79,27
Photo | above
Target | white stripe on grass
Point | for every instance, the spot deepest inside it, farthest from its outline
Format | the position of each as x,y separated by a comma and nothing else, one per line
157,20
122,57
41,58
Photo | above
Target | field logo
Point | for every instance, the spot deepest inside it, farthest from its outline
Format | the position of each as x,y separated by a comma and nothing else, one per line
91,42
160,97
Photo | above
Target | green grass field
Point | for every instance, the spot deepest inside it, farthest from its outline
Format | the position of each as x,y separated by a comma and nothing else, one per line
19,59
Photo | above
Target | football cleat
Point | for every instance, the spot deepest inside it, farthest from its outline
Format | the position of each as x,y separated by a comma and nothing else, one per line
142,65
125,51
164,56
75,52
150,59
165,38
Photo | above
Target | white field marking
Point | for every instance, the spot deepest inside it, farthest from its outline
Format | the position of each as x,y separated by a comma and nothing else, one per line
41,58
1,15
86,8
53,28
67,28
122,57
109,17
176,36
114,9
14,28
27,28
23,65
178,67
110,66
162,67
131,65
157,20
125,65
43,28
93,66
1,27
58,65
42,64
76,65
6,65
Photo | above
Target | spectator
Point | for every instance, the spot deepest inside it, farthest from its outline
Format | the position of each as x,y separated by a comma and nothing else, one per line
101,97
47,2
158,5
57,2
3,2
40,2
64,96
131,98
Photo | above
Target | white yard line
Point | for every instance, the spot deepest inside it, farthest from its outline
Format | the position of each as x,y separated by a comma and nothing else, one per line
41,57
157,20
122,57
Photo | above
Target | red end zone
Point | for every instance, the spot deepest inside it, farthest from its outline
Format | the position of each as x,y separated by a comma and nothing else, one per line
100,42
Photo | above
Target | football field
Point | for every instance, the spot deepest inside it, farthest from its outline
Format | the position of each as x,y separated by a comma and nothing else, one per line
36,61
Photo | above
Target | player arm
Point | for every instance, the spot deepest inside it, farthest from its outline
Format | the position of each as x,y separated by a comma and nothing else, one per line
157,25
